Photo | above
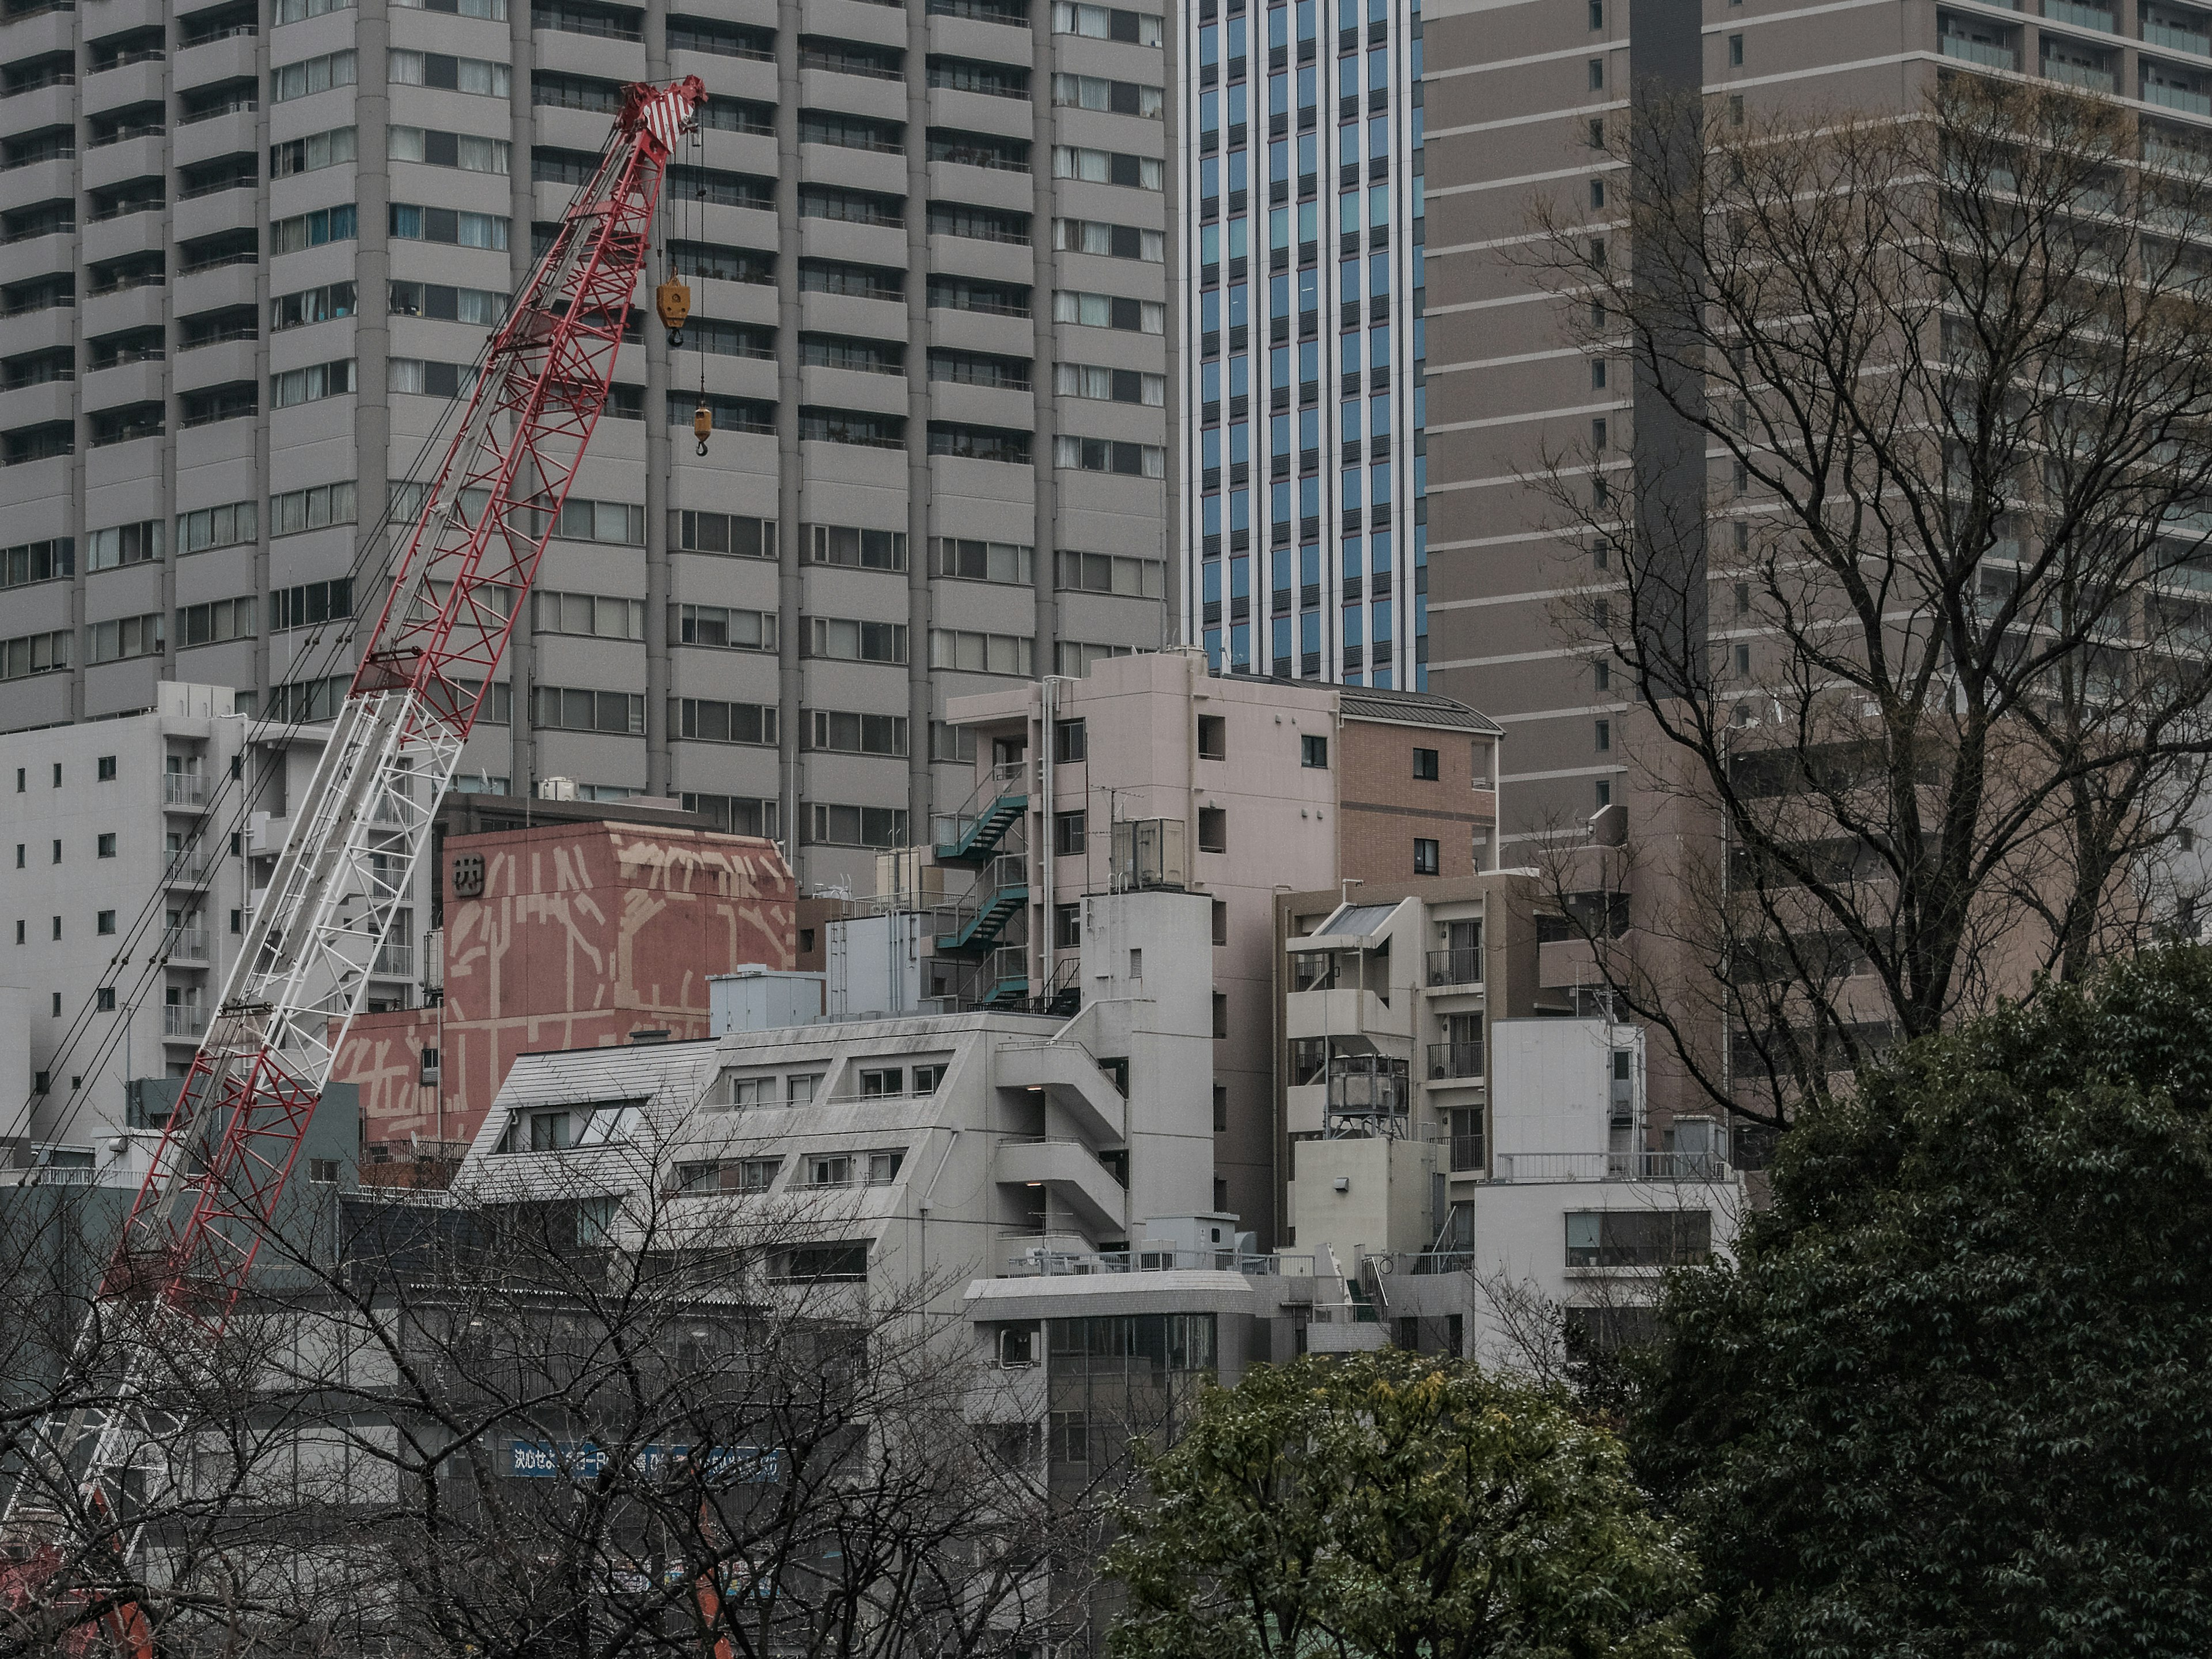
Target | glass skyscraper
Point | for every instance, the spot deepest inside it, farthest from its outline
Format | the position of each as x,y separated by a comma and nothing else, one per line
1304,494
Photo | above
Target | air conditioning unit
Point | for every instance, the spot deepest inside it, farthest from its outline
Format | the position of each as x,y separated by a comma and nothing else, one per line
1148,853
556,789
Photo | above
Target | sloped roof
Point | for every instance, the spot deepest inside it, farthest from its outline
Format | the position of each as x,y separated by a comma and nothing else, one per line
1415,708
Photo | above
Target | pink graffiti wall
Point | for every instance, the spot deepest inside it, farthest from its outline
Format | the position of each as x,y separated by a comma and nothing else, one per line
572,936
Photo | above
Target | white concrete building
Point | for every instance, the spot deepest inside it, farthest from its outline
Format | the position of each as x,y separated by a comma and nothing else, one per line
131,849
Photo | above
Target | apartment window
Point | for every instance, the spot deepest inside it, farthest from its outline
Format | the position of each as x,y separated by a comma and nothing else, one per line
1637,1238
57,857
422,377
1596,15
1212,829
105,773
758,1174
879,827
840,732
103,1000
306,230
1087,310
1112,97
985,369
1102,455
979,224
735,815
1067,834
1005,445
312,153
726,628
1427,860
1221,916
1596,134
1220,1014
979,149
1602,675
130,543
311,509
1742,661
311,75
1425,766
858,207
1597,74
481,308
1212,737
883,1168
840,639
721,532
461,150
558,709
309,604
952,742
209,527
217,620
1112,572
1109,241
974,294
1735,109
1075,657
1743,598
1140,28
852,426
1601,737
125,637
319,380
969,560
1220,1107
449,227
104,923
1110,385
1735,51
711,721
593,615
37,562
981,654
1313,749
1070,741
974,75
882,1081
1067,926
847,544
480,76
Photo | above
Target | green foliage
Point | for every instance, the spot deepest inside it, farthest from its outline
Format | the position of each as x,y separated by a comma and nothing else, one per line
1385,1505
1955,1396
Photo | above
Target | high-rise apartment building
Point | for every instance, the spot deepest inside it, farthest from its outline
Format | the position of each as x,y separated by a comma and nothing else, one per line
1521,98
1302,472
249,254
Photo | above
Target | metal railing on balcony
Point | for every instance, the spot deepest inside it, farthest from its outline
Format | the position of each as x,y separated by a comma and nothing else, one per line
1609,1166
184,789
216,112
184,944
183,1019
1989,55
2081,16
2087,76
394,960
1460,966
1453,1061
2173,96
123,135
189,869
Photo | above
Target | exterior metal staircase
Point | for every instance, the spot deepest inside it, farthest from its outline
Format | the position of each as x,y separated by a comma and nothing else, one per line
972,835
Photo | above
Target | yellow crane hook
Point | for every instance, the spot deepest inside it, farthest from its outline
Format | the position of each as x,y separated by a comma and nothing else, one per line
673,300
703,422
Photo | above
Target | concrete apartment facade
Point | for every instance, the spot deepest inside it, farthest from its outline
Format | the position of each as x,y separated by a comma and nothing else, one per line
1513,91
1255,785
1303,497
130,851
248,254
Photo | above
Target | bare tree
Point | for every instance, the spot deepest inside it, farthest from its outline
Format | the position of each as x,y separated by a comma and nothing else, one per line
1903,570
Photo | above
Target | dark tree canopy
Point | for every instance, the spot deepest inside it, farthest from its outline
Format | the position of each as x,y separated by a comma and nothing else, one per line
1955,1396
1388,1506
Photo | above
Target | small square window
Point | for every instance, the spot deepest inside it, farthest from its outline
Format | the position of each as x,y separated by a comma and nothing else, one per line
1597,74
238,921
926,1078
107,921
1212,737
1067,834
106,844
103,1000
1425,764
1604,794
883,1081
799,1090
1596,13
1070,741
1212,829
1597,374
1596,134
1735,52
1427,860
322,1172
883,1168
1598,431
1601,737
1313,749
107,769
1742,661
1597,192
1601,674
758,1174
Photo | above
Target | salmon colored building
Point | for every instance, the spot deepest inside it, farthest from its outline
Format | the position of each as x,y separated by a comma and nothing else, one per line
568,936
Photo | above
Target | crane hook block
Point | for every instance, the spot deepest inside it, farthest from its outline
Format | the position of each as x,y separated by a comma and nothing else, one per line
673,300
703,422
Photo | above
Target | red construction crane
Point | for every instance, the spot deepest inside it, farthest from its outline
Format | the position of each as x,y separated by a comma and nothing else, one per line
363,825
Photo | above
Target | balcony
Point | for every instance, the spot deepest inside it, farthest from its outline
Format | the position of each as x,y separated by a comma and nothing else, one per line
1986,53
2087,76
394,960
2081,17
2176,96
188,790
2177,39
1454,1062
184,944
183,1022
1455,967
189,869
1610,1166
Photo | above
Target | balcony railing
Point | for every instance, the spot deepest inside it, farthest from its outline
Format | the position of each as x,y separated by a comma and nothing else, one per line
2174,97
394,960
1450,1060
189,869
1979,51
2174,39
184,944
60,153
1609,1166
123,135
216,112
183,1019
49,228
2081,17
1461,966
2086,76
184,789
186,43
